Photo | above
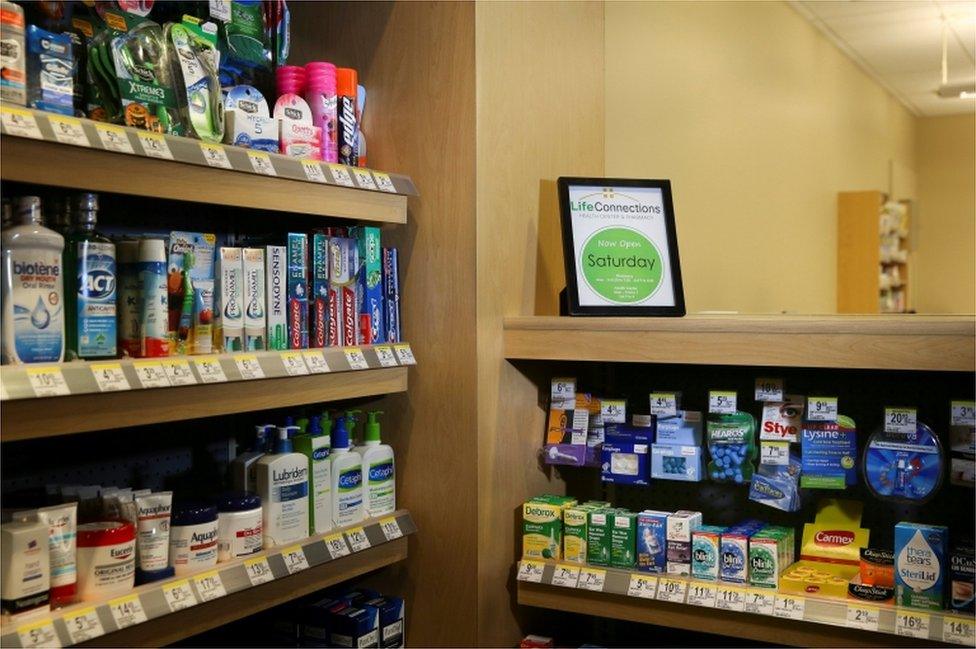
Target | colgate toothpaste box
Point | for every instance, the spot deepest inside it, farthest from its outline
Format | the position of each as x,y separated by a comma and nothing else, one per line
319,321
369,278
297,290
343,302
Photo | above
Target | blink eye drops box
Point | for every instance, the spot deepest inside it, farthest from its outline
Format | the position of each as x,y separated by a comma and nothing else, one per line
229,332
277,320
255,325
318,336
920,565
297,291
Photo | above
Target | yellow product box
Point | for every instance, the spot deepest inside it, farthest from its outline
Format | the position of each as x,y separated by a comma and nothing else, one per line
542,526
830,555
575,530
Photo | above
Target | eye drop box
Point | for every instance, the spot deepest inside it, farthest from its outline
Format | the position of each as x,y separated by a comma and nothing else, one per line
255,324
767,556
782,420
962,567
319,321
734,552
598,537
276,287
623,539
297,291
705,552
921,553
652,541
681,525
229,329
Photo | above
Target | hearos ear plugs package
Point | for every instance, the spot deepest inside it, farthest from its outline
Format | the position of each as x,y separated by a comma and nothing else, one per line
732,446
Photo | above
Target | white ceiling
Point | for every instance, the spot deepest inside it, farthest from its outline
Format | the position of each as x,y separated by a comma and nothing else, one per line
900,45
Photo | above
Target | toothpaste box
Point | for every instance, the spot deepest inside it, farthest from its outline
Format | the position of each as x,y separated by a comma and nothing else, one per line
542,526
623,539
370,278
343,301
229,325
705,551
598,537
652,541
391,295
921,562
676,462
962,567
681,525
192,254
275,290
297,291
683,430
319,320
255,323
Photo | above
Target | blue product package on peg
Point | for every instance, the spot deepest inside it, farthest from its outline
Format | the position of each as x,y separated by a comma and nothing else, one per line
732,446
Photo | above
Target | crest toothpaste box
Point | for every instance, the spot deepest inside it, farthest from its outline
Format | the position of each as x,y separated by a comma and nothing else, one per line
297,291
343,302
921,553
275,289
391,295
370,280
255,324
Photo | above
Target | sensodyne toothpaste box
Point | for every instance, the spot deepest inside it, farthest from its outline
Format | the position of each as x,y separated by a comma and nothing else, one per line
275,288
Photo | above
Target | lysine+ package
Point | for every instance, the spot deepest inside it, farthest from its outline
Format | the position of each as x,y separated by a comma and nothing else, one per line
732,446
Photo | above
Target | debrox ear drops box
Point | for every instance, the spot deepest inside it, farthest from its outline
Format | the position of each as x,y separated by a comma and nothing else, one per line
542,526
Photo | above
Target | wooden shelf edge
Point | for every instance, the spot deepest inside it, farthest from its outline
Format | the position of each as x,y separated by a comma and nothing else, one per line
53,416
203,617
727,623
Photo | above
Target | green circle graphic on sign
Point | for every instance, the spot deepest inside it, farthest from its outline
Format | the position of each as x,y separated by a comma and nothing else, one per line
621,265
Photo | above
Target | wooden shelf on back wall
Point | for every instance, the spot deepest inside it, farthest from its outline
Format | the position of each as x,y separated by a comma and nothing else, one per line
49,149
897,342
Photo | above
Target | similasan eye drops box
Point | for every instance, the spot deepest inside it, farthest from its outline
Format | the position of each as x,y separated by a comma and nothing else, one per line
275,289
229,332
297,304
319,321
255,325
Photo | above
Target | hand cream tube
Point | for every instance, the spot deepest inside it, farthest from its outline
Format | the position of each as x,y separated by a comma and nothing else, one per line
152,537
62,523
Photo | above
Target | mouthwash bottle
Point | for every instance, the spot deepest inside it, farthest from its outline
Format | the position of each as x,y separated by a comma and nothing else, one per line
33,295
91,298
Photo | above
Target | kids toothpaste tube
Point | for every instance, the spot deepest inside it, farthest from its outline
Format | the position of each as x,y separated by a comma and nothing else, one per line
203,316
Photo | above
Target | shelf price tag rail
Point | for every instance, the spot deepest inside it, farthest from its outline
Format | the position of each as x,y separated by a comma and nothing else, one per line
155,600
939,626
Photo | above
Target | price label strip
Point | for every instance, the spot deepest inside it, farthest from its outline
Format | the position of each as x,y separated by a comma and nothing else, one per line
295,559
384,182
313,171
336,545
215,156
391,529
47,381
258,570
385,355
900,420
701,594
19,122
294,365
38,634
151,374
114,138
127,611
178,372
721,401
154,145
179,595
363,178
769,390
340,173
913,624
110,377
83,625
68,130
404,353
730,599
643,586
209,586
759,602
249,367
822,408
592,579
565,576
210,369
261,163
664,404
316,362
672,590
863,617
530,571
356,358
958,630
357,538
789,607
963,413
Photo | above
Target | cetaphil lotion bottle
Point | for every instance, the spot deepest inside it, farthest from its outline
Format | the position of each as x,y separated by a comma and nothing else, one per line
282,479
315,446
347,478
33,289
379,473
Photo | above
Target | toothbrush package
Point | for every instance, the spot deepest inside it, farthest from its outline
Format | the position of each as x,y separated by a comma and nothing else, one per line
199,97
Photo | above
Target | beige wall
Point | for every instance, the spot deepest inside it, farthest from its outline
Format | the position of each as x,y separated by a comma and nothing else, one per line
758,121
945,215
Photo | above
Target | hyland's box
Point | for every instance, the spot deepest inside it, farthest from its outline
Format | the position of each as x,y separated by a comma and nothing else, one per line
705,552
297,290
255,324
669,462
623,539
598,537
275,287
681,525
920,565
652,543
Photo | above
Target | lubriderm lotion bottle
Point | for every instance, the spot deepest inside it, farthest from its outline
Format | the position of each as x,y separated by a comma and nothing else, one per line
282,479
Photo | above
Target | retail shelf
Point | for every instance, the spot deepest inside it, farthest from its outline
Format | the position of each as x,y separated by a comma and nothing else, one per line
751,613
50,149
893,342
160,613
80,396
